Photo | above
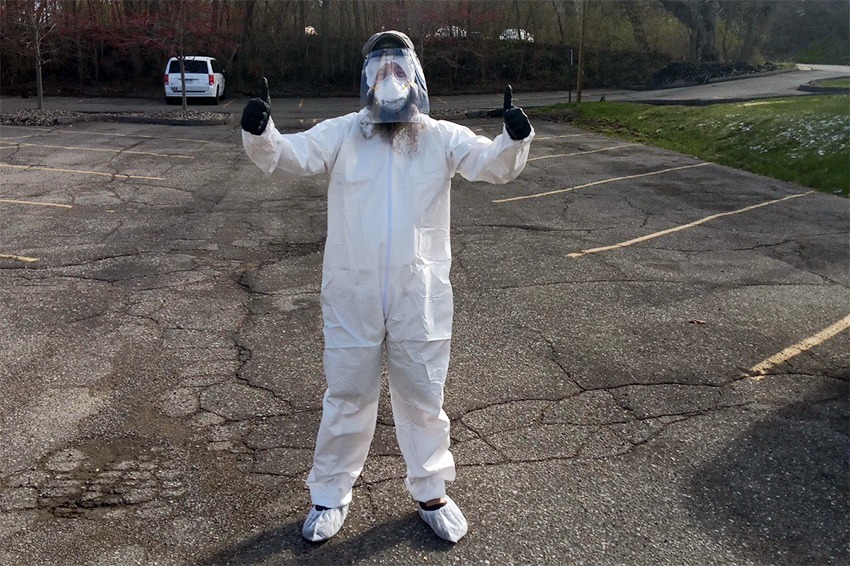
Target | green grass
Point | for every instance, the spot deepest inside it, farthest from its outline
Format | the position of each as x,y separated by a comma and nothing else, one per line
841,82
802,139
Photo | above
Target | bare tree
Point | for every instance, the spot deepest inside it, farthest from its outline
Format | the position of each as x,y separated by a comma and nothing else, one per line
700,18
26,26
174,28
759,16
635,11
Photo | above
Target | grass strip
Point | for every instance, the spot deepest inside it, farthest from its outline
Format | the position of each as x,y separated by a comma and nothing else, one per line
840,82
801,139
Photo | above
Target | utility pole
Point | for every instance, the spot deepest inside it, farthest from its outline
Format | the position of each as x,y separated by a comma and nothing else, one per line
580,80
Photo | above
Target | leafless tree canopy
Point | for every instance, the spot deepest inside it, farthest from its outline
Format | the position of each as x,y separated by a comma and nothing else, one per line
314,45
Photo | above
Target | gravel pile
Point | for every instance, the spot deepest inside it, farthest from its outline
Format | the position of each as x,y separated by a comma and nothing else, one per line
56,117
39,117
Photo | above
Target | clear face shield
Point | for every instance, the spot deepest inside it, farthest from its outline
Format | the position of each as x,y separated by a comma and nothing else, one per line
393,86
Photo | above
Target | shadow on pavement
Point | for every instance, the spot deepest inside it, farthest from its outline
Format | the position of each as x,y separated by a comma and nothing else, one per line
779,492
284,545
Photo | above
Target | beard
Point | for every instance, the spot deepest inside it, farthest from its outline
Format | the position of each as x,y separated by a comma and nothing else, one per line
400,136
402,132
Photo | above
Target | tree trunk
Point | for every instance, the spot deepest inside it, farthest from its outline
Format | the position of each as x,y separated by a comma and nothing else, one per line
635,12
325,38
700,18
243,35
560,24
40,101
762,16
183,78
39,85
78,43
708,10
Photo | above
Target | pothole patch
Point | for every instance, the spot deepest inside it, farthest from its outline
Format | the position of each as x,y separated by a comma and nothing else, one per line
78,481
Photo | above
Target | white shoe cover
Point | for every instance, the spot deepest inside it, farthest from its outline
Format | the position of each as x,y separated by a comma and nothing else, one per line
322,525
447,522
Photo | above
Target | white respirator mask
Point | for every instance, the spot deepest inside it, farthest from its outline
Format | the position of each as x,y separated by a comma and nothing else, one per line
393,86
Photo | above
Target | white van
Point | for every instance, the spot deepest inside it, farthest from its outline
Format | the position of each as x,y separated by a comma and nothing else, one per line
204,79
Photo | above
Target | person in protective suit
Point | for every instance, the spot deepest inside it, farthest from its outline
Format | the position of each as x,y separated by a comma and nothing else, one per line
385,277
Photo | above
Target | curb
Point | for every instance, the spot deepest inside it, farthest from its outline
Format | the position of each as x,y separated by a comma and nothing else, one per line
824,89
144,119
164,121
715,80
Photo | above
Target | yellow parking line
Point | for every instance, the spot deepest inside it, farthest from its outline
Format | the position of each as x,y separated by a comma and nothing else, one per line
19,258
682,227
19,144
583,152
602,182
76,171
10,201
758,371
558,137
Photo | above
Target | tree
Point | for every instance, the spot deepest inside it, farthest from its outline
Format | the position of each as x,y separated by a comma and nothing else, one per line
26,26
700,18
173,29
747,26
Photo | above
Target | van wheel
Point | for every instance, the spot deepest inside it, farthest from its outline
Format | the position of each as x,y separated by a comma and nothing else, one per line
170,100
215,100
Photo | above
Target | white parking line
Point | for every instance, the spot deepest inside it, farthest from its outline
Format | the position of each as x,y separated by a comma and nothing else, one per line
758,371
602,182
17,144
82,172
583,152
34,203
682,227
558,137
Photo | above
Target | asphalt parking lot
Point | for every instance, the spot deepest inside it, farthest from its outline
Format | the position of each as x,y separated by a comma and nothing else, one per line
650,360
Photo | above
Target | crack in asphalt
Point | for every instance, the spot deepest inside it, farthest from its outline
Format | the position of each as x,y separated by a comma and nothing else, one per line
753,247
633,206
580,282
556,356
482,437
461,230
245,353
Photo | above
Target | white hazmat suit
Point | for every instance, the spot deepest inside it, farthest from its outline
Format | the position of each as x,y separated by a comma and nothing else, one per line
385,283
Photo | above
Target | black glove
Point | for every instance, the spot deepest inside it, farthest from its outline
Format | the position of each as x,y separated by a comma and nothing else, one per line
255,117
516,122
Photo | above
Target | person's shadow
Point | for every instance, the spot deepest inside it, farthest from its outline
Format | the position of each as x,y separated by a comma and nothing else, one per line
285,545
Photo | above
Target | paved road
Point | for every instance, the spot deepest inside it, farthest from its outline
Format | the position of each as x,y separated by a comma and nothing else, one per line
298,112
623,388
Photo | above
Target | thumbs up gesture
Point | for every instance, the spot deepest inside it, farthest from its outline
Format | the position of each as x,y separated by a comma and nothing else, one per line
516,122
255,117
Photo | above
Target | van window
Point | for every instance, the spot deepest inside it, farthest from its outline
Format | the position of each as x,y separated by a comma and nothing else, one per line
191,67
